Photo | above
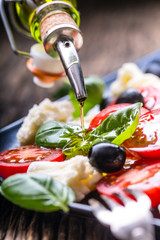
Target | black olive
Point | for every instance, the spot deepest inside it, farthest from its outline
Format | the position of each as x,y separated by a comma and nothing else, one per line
130,95
106,100
107,157
154,68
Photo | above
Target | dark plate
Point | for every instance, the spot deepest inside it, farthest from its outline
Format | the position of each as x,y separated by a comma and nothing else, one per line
8,140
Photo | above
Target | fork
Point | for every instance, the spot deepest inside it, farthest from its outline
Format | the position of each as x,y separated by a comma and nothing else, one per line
130,221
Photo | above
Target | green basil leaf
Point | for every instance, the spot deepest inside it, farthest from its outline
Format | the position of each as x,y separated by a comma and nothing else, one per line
94,87
37,192
56,134
118,126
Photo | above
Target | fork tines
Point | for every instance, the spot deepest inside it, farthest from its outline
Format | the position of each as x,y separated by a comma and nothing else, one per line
128,216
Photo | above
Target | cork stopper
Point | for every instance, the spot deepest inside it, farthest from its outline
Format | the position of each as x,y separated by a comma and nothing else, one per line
58,24
53,20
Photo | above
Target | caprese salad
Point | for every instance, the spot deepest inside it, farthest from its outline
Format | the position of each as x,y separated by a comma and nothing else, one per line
120,149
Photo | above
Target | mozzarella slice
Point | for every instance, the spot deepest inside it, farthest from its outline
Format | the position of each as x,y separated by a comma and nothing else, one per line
42,113
76,173
130,76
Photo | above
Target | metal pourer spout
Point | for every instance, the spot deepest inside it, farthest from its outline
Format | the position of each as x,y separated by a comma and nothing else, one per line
71,63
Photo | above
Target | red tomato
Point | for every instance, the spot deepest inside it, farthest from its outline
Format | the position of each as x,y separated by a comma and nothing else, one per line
146,139
18,160
151,97
143,176
99,118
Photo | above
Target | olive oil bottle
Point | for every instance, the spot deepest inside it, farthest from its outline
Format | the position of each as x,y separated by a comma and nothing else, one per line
32,12
55,24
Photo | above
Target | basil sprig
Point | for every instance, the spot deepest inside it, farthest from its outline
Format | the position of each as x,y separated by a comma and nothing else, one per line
57,134
116,128
37,192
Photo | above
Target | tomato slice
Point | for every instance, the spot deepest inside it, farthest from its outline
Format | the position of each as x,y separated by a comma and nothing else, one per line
151,97
145,142
99,118
143,176
18,160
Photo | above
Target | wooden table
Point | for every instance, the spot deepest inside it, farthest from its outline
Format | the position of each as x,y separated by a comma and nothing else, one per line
19,224
114,32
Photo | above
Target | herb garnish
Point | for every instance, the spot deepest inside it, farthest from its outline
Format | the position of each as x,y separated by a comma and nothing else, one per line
116,128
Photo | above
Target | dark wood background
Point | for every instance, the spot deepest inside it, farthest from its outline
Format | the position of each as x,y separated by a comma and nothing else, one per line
114,32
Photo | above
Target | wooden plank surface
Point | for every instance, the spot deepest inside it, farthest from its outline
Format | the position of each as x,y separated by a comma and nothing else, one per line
114,32
19,224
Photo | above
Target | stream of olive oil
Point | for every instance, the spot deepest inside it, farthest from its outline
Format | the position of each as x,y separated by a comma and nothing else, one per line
81,105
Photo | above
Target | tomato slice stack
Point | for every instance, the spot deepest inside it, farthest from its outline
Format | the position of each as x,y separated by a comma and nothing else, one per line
144,174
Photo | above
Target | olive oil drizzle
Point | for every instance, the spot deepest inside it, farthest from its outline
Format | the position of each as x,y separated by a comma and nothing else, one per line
81,105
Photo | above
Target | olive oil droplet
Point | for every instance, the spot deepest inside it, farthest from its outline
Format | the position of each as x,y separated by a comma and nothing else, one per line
81,104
